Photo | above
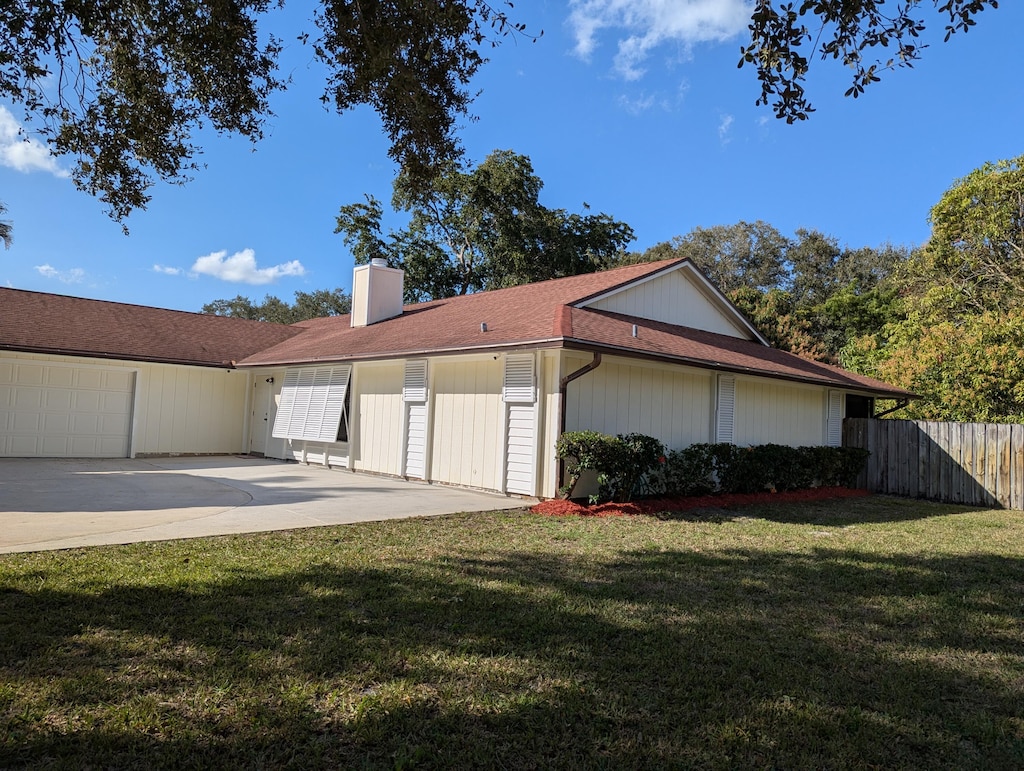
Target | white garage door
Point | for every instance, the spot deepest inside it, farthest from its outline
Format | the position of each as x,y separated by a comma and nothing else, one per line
51,411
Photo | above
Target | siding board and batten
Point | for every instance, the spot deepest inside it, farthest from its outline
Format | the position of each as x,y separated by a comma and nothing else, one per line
466,444
672,298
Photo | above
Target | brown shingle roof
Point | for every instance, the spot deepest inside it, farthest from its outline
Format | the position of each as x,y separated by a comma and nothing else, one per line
533,315
542,315
603,330
520,315
51,323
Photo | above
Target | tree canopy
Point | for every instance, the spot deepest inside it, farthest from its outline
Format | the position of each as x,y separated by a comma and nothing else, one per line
307,305
122,86
805,293
958,336
481,228
786,36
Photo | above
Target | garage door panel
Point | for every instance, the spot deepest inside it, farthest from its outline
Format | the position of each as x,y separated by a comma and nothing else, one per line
49,410
58,399
56,423
87,401
60,377
118,404
26,422
28,399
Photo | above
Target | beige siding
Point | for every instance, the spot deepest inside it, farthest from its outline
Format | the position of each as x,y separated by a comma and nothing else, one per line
675,299
775,412
179,409
618,397
468,419
377,406
548,461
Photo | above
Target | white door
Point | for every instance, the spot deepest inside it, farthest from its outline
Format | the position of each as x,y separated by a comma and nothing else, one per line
262,395
59,411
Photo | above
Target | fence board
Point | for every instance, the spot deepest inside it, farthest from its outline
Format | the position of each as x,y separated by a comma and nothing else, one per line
973,463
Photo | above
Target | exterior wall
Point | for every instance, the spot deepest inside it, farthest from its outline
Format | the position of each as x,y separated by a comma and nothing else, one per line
671,403
178,408
468,418
777,412
673,299
377,417
550,374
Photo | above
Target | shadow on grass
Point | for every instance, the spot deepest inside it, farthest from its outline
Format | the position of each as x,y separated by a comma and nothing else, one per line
837,512
738,658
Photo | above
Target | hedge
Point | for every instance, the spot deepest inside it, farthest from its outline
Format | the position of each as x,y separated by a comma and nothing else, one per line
633,465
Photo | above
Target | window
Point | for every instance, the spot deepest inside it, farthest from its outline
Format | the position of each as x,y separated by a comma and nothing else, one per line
314,404
345,412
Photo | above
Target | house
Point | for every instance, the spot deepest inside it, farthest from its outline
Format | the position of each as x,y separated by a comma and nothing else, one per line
470,391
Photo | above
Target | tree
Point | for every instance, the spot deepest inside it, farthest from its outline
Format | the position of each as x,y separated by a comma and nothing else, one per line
121,86
308,305
974,260
782,44
806,294
478,229
958,336
6,229
733,256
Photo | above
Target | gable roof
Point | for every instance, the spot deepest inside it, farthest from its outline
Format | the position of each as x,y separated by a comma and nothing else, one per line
40,322
548,314
520,316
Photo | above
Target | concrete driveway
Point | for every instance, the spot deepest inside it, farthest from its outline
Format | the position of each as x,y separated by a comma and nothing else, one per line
59,504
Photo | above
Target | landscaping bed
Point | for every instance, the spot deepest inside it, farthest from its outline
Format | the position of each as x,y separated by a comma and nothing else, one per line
560,507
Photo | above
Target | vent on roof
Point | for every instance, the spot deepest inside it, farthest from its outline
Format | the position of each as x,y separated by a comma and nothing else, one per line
376,293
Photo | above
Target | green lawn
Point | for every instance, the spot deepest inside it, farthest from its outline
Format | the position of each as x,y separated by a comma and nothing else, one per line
849,634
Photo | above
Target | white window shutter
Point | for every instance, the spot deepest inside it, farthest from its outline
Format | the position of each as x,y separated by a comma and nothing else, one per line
834,430
725,417
414,389
312,403
518,385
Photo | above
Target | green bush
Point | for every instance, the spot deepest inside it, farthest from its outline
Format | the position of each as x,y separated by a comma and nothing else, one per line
621,462
701,469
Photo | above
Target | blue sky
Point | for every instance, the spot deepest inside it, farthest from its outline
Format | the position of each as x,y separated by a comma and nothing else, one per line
635,107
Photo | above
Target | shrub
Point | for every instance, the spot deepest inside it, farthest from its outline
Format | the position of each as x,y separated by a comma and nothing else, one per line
621,462
709,468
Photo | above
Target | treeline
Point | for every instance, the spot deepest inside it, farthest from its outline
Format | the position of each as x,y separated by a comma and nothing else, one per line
944,320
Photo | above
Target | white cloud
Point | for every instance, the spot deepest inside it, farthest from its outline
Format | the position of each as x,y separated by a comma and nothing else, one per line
723,129
73,276
241,267
167,270
643,25
21,154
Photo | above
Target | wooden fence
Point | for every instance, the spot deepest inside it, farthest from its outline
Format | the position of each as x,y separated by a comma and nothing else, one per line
980,464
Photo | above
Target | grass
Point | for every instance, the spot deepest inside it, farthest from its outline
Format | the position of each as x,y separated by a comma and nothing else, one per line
862,633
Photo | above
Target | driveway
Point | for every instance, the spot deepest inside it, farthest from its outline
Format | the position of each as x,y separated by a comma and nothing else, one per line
59,504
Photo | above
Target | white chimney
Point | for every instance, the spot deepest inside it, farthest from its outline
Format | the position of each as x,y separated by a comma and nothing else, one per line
377,292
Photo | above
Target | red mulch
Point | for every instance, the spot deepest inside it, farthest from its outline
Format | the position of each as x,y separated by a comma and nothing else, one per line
557,507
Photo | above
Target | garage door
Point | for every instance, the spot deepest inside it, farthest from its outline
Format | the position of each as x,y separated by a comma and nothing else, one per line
52,411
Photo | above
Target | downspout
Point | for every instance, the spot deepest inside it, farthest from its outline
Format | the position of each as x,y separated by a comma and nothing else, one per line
563,389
